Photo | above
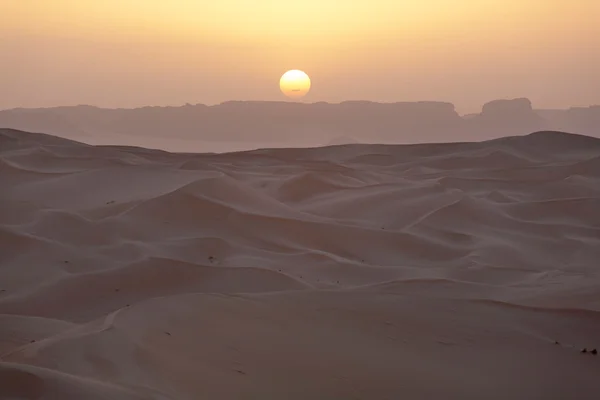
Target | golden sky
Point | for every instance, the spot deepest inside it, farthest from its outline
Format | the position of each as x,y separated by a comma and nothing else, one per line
126,53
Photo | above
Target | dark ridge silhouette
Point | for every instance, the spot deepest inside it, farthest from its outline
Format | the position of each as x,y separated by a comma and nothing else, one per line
541,140
252,124
508,117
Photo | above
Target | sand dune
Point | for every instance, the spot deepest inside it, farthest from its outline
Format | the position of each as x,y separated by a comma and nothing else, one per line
344,272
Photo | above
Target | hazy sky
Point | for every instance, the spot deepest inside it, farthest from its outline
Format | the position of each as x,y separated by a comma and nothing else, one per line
127,53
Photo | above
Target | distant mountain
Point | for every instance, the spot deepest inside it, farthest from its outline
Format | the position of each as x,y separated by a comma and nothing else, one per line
299,124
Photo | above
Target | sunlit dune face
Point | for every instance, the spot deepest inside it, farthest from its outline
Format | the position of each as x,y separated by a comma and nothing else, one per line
294,84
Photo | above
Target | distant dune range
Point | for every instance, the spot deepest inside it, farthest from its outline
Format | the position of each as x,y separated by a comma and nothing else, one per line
244,125
426,271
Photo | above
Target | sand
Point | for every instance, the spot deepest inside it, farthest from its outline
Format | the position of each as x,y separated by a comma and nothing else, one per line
435,271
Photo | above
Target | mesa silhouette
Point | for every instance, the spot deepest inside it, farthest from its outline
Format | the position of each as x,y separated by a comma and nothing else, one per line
251,124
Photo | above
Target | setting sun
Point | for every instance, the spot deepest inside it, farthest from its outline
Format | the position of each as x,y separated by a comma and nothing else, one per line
294,84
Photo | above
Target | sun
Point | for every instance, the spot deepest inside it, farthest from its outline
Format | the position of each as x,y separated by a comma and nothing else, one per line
294,84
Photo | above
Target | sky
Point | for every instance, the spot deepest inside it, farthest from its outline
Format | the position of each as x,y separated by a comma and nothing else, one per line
131,53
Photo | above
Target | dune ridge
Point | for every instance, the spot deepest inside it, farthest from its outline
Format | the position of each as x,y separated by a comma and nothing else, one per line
458,271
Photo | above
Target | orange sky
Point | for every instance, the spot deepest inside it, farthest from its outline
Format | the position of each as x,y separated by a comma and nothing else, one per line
127,53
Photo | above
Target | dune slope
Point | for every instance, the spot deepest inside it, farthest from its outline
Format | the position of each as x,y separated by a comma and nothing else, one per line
456,271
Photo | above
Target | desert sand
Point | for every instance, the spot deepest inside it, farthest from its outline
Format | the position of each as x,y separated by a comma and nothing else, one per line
434,271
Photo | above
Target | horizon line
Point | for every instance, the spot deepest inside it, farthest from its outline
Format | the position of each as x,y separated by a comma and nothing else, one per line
291,103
